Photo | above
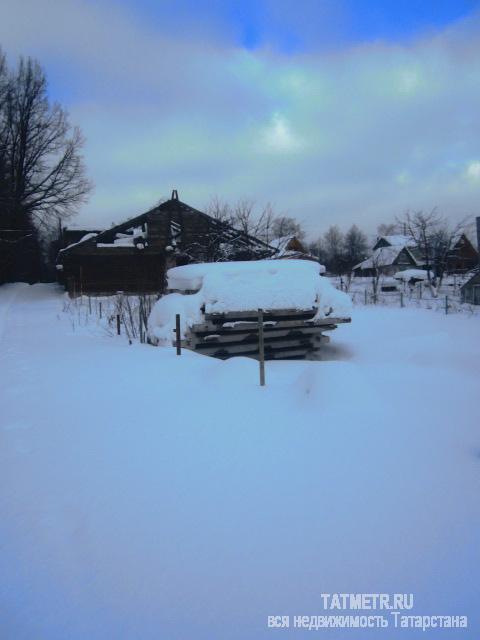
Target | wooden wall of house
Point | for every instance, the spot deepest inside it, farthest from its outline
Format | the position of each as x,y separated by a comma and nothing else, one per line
463,257
158,230
104,274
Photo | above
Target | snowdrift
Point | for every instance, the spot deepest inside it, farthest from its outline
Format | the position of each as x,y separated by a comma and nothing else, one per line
243,286
411,274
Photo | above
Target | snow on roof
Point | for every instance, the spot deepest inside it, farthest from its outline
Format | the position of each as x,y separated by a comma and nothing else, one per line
282,250
87,236
280,244
399,240
382,257
411,274
245,286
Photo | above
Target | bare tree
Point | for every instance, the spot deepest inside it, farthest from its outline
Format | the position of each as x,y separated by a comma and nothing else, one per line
246,218
220,210
43,170
3,137
387,229
377,260
333,246
317,248
355,247
286,226
434,238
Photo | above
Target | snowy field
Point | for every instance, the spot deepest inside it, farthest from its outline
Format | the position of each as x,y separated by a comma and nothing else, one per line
447,298
149,496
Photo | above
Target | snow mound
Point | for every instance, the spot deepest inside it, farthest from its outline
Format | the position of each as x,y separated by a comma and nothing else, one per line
411,274
244,286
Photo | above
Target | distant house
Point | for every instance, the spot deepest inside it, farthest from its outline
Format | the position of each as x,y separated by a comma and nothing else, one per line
387,260
290,247
463,257
470,291
397,240
133,256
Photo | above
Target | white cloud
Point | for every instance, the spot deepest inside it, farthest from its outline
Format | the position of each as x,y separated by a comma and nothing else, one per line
473,171
278,137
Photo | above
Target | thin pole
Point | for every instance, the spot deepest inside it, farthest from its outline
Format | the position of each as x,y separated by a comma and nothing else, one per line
178,335
446,305
118,324
261,348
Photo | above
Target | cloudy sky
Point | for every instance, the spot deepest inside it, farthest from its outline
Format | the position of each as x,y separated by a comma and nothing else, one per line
335,111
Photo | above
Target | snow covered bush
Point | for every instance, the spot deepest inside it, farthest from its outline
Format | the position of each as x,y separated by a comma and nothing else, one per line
243,286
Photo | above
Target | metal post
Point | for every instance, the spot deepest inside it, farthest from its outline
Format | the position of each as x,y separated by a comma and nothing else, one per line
100,308
118,324
178,336
446,305
365,296
401,299
140,323
261,348
89,305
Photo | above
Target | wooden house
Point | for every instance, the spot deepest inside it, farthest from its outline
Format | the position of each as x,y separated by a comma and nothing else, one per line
134,256
387,260
470,291
463,257
291,248
396,240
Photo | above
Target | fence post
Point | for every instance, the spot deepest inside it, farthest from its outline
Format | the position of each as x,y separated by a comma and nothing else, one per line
89,305
446,305
401,299
140,322
365,296
261,348
118,324
100,307
178,336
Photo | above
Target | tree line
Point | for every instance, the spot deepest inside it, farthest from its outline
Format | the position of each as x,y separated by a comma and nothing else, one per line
338,251
432,234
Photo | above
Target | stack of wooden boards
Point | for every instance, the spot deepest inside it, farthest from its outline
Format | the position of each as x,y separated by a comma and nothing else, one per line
288,333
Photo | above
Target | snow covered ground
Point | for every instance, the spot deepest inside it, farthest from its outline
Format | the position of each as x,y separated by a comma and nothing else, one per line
145,495
393,293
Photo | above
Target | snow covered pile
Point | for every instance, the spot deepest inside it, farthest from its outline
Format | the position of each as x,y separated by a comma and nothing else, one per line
244,286
411,274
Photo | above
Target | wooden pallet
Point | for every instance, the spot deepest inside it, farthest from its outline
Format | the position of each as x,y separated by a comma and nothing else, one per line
288,333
